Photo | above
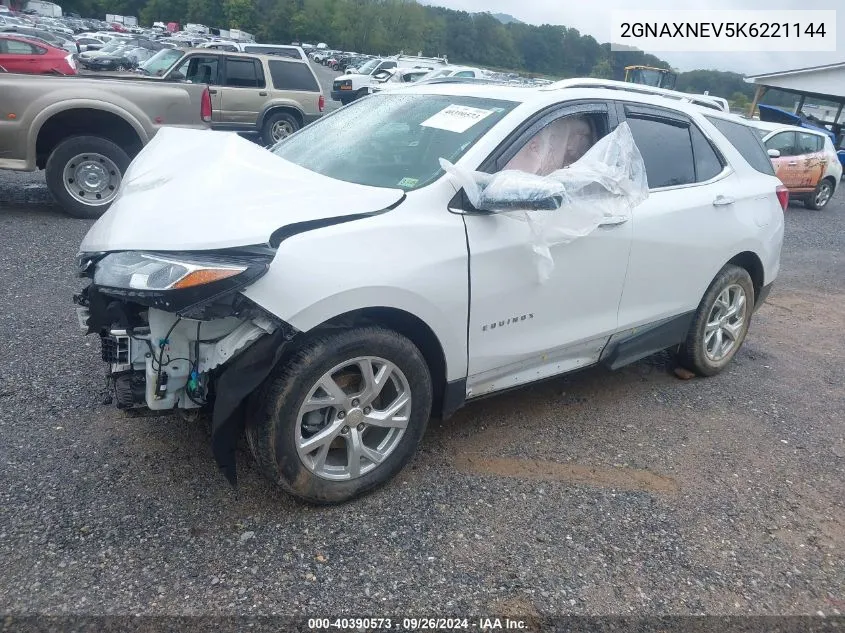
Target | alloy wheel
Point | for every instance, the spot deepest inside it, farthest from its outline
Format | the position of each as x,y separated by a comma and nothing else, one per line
353,418
725,323
823,194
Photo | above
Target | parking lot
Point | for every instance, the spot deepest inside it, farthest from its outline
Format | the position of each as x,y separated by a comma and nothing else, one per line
631,492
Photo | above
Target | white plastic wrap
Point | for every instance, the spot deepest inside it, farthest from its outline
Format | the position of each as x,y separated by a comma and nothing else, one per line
605,183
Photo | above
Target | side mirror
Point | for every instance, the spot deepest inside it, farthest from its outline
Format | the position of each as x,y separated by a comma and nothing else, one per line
773,153
382,74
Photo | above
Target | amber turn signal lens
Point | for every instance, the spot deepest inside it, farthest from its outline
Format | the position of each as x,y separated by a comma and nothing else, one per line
205,276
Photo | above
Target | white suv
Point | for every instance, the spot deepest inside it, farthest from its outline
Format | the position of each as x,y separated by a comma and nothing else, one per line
333,293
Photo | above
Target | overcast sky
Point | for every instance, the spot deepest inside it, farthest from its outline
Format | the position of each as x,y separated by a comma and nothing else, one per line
593,18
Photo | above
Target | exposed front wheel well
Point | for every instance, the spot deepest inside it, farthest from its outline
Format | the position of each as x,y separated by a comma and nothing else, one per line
409,326
85,122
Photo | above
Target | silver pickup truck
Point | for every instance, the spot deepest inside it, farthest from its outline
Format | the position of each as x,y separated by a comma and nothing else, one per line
85,132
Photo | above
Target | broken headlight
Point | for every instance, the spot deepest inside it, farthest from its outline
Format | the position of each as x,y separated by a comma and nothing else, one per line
148,271
186,283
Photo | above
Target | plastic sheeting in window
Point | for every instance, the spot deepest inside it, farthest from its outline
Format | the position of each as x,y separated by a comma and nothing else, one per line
603,186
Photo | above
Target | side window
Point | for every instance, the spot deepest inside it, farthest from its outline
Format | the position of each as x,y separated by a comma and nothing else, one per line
559,144
292,76
784,143
747,142
809,143
387,65
14,47
243,73
666,147
465,73
199,69
707,162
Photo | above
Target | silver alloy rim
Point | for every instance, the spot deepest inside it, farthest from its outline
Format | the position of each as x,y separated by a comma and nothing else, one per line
823,195
353,418
281,129
725,323
91,179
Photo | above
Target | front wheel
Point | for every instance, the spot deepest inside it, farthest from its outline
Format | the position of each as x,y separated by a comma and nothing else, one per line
821,196
84,173
720,323
342,416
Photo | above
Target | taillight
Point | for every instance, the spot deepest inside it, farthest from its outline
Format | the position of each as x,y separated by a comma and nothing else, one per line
321,103
205,106
783,196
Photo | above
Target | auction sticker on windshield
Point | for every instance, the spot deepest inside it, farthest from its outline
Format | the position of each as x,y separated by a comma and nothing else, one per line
456,118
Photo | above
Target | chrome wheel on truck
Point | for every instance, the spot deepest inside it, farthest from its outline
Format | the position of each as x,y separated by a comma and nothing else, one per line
92,178
84,174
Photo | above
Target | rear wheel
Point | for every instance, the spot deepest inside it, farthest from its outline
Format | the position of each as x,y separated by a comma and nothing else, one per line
342,416
84,173
278,126
821,196
720,323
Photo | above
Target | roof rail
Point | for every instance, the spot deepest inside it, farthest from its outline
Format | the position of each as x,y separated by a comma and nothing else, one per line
707,101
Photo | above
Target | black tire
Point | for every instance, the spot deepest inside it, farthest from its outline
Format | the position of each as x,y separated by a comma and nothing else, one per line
810,202
64,152
273,412
271,120
692,353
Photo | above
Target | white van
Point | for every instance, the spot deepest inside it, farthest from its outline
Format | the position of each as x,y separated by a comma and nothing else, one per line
282,50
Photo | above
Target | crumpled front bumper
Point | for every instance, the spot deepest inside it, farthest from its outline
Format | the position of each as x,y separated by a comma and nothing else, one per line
162,361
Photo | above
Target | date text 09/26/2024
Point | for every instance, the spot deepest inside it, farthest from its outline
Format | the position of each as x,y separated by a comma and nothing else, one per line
417,624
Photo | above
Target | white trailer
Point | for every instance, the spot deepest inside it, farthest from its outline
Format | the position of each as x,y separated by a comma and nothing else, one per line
47,9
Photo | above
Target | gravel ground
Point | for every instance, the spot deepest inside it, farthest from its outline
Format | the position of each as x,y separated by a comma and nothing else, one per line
628,493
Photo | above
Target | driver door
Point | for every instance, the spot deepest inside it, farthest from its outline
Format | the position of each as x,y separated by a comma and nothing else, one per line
522,328
787,166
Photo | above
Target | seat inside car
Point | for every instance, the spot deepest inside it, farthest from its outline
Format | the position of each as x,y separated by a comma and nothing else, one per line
556,146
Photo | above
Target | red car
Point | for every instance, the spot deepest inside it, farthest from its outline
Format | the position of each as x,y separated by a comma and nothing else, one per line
21,55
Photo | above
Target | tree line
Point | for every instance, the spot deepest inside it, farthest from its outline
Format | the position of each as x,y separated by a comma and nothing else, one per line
390,26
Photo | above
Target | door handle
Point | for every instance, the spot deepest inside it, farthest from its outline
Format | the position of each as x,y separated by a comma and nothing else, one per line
613,220
211,91
722,201
792,163
262,94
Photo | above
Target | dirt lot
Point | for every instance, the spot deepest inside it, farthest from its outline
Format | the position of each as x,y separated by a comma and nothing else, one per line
626,493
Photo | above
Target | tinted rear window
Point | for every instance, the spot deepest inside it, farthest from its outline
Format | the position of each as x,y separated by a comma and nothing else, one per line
746,142
292,76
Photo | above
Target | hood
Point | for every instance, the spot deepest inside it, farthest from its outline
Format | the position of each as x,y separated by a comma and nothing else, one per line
202,190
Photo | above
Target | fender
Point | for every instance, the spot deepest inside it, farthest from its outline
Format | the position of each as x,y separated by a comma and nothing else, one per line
281,105
77,104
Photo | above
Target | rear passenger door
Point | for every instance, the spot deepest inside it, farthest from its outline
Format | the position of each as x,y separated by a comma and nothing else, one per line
689,219
244,91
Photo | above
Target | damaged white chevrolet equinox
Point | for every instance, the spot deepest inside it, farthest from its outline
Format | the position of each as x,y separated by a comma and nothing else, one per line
419,249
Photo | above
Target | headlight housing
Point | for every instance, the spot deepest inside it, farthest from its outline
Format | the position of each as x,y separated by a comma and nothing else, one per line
148,271
190,284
